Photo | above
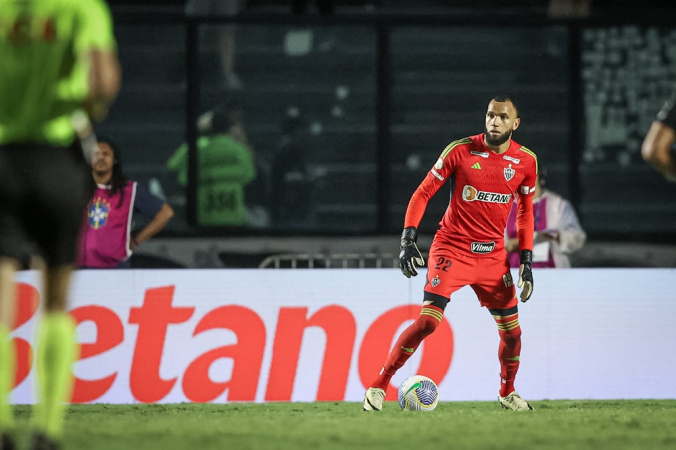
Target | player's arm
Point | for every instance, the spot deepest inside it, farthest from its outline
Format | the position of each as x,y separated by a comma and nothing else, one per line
656,149
95,45
525,227
409,255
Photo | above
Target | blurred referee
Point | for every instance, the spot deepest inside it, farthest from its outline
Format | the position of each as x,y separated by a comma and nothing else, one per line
58,60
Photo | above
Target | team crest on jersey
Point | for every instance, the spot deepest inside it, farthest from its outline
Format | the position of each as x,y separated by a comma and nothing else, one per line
435,281
509,172
97,213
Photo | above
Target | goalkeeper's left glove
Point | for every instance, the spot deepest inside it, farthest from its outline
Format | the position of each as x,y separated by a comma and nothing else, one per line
526,275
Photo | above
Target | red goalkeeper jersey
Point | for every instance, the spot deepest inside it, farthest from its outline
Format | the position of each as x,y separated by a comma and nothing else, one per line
486,184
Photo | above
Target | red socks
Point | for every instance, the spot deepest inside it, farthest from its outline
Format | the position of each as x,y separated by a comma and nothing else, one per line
408,342
428,321
508,352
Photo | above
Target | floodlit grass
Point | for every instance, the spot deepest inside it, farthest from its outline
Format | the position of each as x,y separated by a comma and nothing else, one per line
636,424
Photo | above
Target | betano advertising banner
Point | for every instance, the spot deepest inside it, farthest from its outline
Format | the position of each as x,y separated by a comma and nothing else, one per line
171,336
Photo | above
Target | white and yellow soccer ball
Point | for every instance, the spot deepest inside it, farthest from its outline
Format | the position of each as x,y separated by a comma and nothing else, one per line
418,393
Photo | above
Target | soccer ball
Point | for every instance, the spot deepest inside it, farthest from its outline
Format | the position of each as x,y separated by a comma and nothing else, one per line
418,393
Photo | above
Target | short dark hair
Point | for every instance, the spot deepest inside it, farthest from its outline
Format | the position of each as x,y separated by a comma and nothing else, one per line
506,98
226,115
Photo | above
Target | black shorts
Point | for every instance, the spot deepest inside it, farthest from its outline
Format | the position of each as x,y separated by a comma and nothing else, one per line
43,194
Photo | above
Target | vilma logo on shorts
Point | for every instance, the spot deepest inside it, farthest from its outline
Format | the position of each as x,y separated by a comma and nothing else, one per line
483,247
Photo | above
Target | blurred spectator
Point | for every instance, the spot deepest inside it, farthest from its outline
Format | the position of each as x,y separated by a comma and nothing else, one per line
225,166
106,237
303,6
657,145
557,230
569,9
226,34
291,181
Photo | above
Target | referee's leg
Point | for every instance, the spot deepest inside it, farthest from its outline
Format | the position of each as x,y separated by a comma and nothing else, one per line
12,244
60,195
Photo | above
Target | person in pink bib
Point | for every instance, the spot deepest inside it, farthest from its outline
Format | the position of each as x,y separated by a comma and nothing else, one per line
106,239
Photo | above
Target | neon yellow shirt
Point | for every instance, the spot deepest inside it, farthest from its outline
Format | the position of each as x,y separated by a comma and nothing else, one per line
43,65
225,166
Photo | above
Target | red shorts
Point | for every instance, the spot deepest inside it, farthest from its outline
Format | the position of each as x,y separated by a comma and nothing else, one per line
448,271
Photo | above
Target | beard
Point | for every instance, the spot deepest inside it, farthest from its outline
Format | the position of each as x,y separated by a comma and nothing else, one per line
498,140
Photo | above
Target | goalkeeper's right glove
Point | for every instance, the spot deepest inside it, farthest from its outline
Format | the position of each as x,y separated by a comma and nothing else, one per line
526,275
409,255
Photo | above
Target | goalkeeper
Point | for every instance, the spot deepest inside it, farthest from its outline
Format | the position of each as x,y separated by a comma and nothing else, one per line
487,170
57,58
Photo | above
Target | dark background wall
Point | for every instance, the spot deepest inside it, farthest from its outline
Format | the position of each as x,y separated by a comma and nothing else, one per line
382,91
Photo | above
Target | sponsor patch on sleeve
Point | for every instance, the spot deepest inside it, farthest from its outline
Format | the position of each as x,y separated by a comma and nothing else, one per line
439,164
525,190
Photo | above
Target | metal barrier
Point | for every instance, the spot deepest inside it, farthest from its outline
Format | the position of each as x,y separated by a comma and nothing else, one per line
333,261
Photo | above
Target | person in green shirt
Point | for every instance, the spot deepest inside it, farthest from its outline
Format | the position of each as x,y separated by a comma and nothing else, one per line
225,166
58,69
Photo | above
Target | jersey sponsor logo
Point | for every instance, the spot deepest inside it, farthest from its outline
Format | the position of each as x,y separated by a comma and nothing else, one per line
482,247
470,193
439,164
436,281
525,190
507,279
514,160
98,212
476,165
509,172
482,154
436,174
407,350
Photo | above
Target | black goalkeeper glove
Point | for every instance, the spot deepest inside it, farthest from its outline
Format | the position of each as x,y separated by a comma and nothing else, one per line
409,255
526,275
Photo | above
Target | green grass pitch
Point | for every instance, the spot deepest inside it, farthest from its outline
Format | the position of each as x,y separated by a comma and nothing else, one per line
635,424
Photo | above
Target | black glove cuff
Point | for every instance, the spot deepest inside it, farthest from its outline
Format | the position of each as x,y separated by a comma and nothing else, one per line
409,235
526,257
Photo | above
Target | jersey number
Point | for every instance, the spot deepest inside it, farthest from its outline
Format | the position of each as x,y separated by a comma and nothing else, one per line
25,30
443,263
220,200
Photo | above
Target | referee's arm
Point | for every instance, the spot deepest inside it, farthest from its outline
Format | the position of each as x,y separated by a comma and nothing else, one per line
96,47
105,77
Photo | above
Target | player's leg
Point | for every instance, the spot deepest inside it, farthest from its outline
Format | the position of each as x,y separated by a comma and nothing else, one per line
61,193
496,292
445,275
